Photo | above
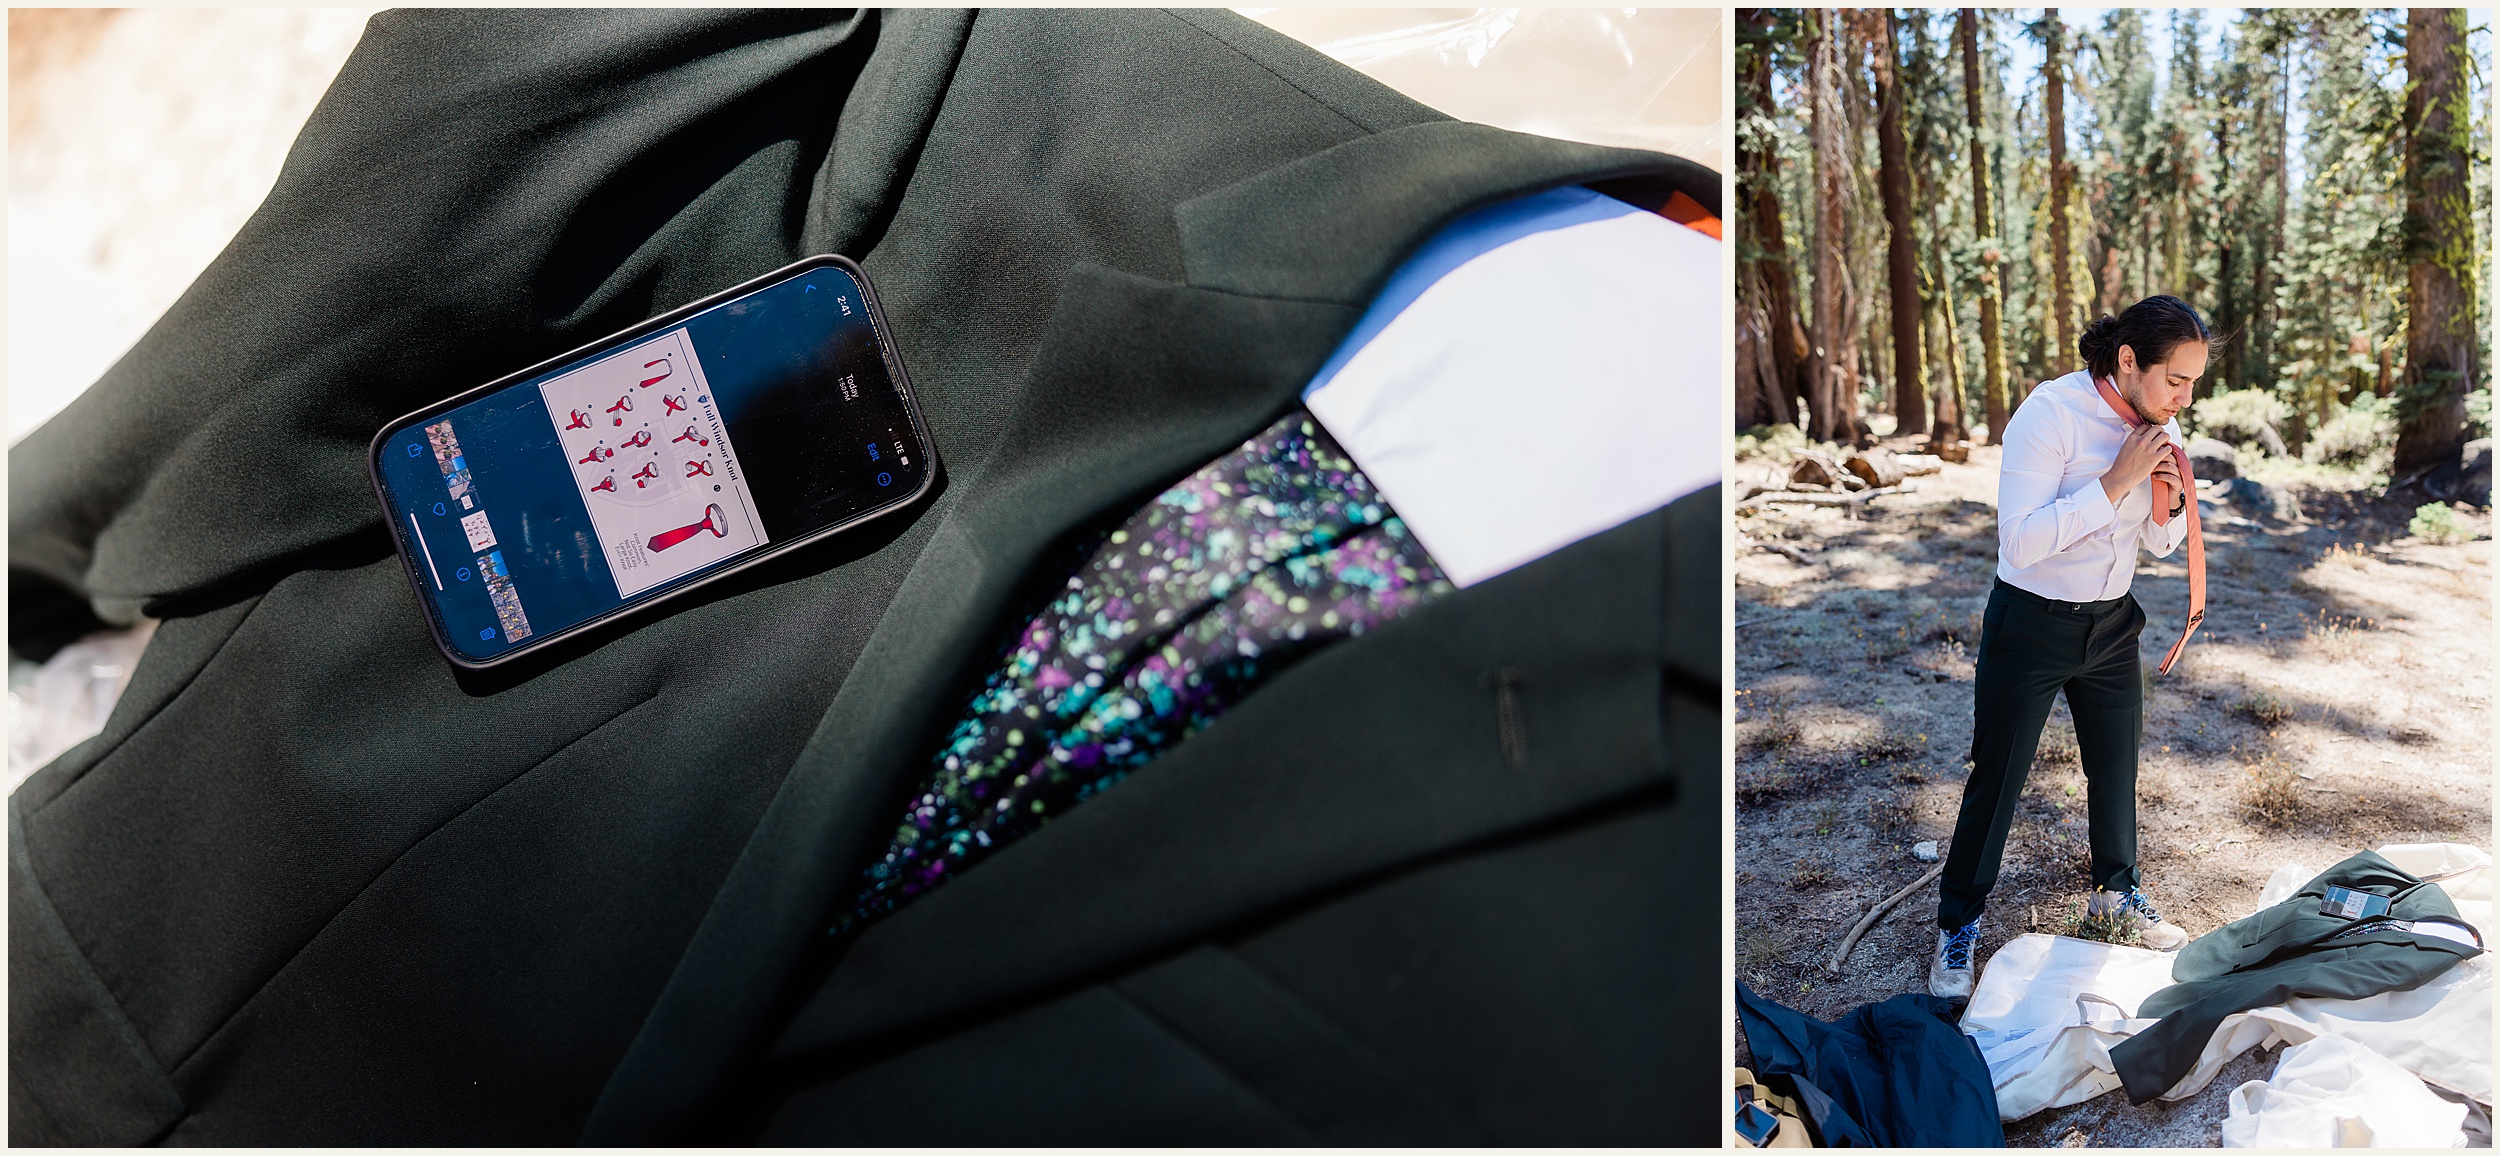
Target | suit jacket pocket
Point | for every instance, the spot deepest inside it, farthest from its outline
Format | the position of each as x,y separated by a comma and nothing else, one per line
1313,1071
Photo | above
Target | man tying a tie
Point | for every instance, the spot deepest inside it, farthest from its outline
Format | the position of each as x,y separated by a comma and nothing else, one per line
2093,470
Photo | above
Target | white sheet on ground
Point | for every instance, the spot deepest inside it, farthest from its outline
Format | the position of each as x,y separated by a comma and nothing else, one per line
2334,1093
2048,1009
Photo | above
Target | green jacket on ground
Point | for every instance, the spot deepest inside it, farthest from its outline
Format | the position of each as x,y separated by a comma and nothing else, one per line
2289,949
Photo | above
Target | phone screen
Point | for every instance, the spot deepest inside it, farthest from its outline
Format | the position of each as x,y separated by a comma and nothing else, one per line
1755,1124
660,457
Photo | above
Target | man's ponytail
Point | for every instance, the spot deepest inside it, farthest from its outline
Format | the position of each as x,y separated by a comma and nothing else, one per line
2152,327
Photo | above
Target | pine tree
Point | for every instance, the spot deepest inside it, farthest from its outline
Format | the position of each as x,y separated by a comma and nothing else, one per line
1909,388
1991,254
2125,160
1933,121
1833,376
2061,187
2346,223
1771,343
2439,244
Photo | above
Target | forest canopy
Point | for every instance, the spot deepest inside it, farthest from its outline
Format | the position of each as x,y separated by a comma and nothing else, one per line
2315,181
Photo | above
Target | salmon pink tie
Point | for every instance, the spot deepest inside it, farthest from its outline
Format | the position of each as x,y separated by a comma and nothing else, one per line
2162,498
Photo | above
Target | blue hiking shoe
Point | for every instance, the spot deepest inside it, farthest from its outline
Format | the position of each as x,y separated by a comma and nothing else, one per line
2133,911
1955,972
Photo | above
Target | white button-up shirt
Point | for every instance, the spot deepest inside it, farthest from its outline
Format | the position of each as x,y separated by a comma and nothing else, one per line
2058,536
1605,315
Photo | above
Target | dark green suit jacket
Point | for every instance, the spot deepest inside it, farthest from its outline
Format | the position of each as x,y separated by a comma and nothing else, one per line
313,885
2287,950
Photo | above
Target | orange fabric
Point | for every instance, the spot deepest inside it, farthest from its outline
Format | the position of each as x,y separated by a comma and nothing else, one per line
2162,499
1686,211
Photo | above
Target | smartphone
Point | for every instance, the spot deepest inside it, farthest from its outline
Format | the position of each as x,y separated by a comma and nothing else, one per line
1756,1125
607,480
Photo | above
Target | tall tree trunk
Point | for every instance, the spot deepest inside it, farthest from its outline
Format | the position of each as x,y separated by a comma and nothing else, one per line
1943,346
2061,253
2227,371
2439,244
2144,256
2113,282
2295,427
1991,282
1833,322
1858,260
1783,333
1750,353
2175,273
2270,258
1909,389
1762,396
2228,216
1948,425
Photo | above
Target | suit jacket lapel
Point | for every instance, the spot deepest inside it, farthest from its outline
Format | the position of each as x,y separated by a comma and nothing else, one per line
1369,757
1137,382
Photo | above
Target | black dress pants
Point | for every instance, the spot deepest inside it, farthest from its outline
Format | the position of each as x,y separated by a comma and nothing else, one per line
2029,649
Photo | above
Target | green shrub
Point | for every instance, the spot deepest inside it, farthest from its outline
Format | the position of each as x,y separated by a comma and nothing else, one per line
1809,874
2243,417
1775,441
2262,708
2114,927
1888,745
2360,437
2438,522
2271,794
2478,412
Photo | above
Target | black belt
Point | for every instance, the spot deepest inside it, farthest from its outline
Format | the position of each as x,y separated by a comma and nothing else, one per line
2101,607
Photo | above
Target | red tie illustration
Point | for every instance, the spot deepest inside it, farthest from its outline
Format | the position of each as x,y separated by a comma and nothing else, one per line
581,420
625,403
714,519
671,404
691,436
703,468
607,483
641,438
649,471
648,382
2162,499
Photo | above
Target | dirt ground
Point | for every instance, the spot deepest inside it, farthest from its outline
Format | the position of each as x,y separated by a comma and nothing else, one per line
2336,699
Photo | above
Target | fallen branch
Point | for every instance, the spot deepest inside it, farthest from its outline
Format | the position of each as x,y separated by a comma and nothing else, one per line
1791,553
1833,968
1860,498
1758,488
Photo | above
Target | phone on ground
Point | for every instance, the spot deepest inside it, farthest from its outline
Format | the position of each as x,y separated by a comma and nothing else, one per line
600,483
1756,1125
